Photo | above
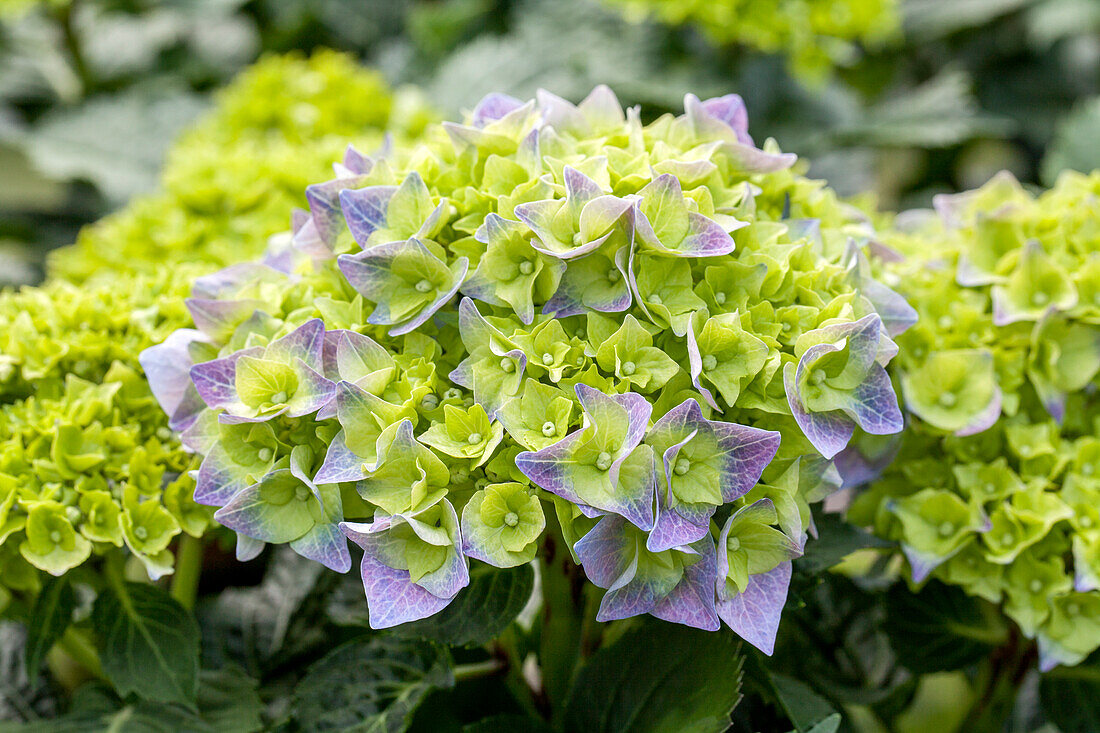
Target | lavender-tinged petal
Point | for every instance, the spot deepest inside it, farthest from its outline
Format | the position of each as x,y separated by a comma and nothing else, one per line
298,219
365,210
326,544
706,238
218,479
356,162
218,318
749,159
340,464
188,410
392,597
216,380
829,432
692,602
492,107
308,241
324,204
167,368
305,342
561,114
314,392
896,313
874,404
922,563
201,435
548,468
605,556
458,271
579,189
695,368
748,452
673,529
248,548
632,599
754,614
730,110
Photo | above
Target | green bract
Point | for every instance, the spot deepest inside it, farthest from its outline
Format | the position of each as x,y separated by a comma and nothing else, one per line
995,485
545,303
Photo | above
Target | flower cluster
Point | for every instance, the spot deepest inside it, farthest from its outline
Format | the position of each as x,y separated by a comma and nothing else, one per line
661,331
995,486
87,461
816,35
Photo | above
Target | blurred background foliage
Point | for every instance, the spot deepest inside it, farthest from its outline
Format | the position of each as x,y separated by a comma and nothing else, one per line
903,98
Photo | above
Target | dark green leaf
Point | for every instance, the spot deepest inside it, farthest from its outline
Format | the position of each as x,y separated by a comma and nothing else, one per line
828,725
1070,697
149,644
227,701
481,611
372,684
805,708
836,540
508,724
939,628
52,614
657,678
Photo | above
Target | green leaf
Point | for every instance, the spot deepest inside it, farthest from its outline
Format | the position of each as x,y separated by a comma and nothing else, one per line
658,677
481,611
509,723
1074,146
373,684
940,628
227,701
829,725
1070,696
836,540
149,644
52,614
805,708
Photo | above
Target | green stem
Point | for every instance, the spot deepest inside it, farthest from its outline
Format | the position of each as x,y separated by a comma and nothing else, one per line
477,670
185,582
81,650
562,618
999,684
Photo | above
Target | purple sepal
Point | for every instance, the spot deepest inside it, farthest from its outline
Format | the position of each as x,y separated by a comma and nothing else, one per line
679,526
392,598
714,119
167,368
370,271
218,479
493,107
219,318
356,162
326,544
216,380
692,602
324,204
828,432
754,614
731,111
704,237
365,210
575,294
340,464
894,310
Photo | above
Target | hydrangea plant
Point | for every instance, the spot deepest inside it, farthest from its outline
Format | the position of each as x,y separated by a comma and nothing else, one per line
547,327
994,485
815,35
88,463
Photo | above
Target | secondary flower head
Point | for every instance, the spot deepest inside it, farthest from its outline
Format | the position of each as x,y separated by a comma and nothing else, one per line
994,486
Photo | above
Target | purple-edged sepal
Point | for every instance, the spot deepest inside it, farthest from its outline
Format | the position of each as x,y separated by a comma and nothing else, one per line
413,564
675,585
405,280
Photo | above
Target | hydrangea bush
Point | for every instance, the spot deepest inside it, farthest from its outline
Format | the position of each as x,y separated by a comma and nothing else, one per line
545,326
994,485
87,461
815,35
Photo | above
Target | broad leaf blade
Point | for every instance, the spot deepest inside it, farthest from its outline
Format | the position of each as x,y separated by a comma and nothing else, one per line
372,685
149,644
658,678
52,614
